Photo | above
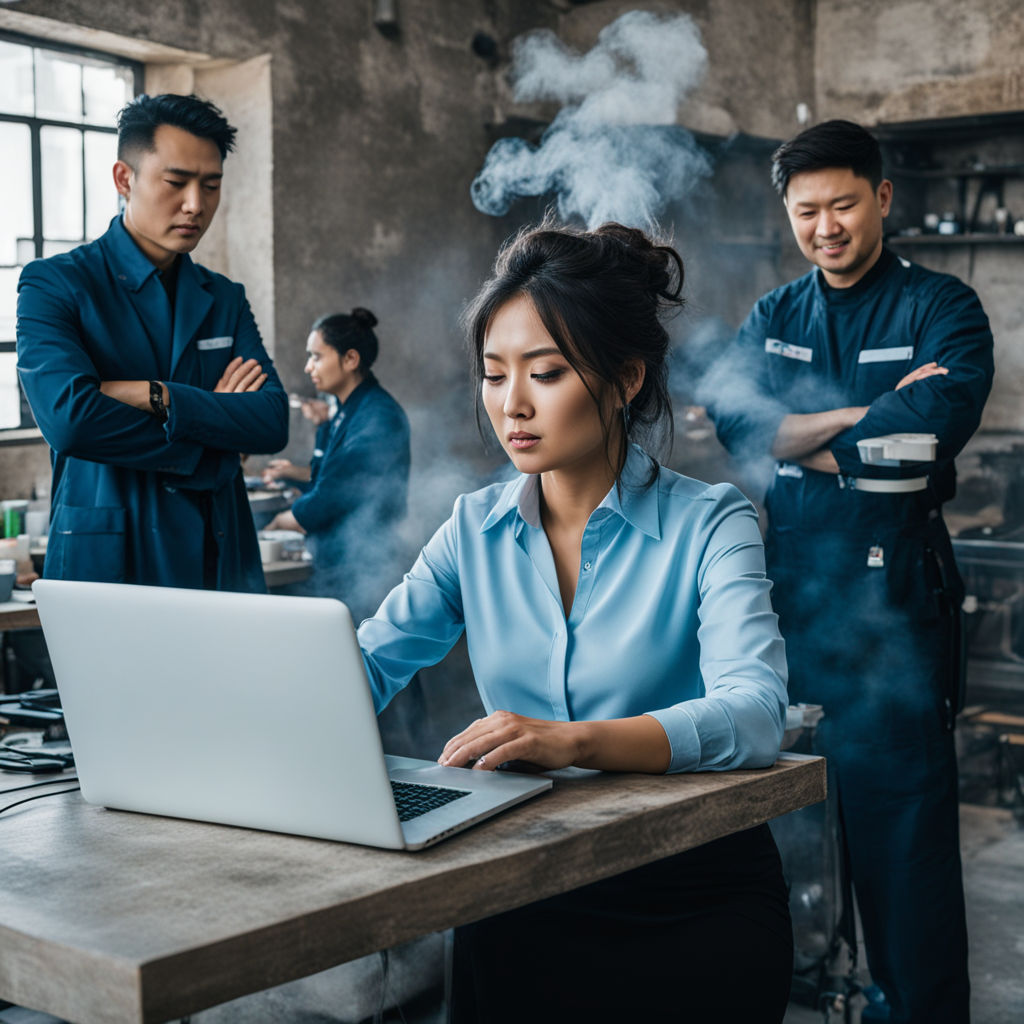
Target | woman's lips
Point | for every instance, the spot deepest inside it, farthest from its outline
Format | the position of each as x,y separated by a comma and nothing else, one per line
521,442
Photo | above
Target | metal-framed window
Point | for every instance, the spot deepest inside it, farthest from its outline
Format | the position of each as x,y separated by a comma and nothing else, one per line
58,136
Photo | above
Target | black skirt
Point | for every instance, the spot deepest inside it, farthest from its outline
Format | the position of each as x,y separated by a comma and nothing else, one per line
701,936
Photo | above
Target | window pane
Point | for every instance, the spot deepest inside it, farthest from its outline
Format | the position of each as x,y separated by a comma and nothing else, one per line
15,78
10,396
55,248
58,87
100,194
16,208
62,182
8,301
107,89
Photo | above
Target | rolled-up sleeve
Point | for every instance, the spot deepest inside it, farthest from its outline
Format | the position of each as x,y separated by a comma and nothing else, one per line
740,720
737,395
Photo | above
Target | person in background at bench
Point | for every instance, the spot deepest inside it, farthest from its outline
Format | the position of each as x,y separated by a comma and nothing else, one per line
358,485
618,617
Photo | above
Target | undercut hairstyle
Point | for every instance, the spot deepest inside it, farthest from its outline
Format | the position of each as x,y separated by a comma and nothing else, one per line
829,144
138,121
603,296
345,331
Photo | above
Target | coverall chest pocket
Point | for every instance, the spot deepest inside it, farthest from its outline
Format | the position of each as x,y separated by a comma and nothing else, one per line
789,366
214,356
880,369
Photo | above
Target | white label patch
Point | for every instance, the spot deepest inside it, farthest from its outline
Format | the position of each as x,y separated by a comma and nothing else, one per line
783,348
788,469
205,344
885,355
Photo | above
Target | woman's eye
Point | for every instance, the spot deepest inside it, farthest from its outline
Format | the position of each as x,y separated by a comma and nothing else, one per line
548,376
494,378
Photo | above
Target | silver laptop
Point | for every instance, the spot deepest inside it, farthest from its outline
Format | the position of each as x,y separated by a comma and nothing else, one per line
244,709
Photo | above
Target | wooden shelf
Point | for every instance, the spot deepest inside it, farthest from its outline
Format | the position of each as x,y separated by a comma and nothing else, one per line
976,238
932,173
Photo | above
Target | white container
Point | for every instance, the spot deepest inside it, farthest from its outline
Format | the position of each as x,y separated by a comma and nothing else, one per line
270,550
37,523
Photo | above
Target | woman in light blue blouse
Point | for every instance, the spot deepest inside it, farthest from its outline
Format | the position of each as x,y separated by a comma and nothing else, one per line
617,617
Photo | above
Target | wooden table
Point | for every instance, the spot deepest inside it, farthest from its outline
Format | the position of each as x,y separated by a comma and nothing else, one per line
18,615
108,917
283,572
22,615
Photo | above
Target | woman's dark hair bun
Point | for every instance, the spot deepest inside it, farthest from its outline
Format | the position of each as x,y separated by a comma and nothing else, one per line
664,267
364,317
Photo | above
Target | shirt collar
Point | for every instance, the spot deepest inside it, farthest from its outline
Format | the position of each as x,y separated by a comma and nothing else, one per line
358,393
887,259
632,500
130,262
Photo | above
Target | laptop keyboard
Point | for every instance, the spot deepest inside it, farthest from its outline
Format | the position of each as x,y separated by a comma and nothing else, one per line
413,799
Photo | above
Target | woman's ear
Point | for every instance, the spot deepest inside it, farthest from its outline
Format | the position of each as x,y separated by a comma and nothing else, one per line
632,377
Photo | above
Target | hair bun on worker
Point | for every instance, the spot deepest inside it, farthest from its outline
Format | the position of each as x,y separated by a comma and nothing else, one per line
364,317
664,266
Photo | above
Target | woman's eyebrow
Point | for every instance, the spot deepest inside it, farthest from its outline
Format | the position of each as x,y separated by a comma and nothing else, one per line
532,354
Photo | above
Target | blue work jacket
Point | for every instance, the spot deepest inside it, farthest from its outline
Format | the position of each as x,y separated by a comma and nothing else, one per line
131,496
357,498
806,348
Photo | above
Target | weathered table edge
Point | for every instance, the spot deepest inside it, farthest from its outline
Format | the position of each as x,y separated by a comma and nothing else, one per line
92,988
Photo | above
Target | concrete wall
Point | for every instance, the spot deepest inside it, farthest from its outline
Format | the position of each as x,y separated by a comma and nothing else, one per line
760,59
373,141
368,143
877,60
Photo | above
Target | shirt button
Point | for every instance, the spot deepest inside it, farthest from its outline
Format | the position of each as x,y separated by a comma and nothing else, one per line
586,567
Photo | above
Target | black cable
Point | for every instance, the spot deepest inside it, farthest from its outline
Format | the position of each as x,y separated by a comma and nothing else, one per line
36,785
38,796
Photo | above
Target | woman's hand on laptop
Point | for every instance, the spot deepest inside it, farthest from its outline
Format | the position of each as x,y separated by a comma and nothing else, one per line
624,744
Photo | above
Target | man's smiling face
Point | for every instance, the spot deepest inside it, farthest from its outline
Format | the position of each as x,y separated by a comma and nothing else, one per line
837,218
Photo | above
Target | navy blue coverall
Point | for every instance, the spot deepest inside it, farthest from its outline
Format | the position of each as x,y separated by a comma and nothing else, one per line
356,498
135,500
867,591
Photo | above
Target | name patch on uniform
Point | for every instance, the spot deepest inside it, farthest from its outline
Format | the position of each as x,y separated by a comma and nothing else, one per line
783,348
885,355
205,344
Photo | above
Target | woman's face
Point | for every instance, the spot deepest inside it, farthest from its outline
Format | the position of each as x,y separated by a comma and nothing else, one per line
325,366
538,405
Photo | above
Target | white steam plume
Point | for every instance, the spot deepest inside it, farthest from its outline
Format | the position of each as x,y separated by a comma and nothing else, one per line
613,152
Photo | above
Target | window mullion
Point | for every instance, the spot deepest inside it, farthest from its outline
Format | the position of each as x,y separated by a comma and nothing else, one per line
37,188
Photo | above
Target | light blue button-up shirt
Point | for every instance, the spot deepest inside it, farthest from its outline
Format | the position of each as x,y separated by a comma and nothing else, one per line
671,616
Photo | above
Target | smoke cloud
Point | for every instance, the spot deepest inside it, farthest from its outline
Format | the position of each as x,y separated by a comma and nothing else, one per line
614,151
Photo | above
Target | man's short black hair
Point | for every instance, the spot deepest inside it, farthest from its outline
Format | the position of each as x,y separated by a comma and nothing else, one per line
829,144
138,121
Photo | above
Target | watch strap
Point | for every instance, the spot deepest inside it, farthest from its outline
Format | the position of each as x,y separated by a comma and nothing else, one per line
156,400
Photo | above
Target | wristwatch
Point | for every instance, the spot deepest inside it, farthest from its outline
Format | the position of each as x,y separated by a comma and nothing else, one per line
156,400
